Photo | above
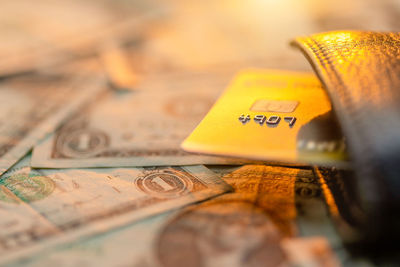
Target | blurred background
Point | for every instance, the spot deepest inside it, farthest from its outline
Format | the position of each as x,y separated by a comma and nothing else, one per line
165,36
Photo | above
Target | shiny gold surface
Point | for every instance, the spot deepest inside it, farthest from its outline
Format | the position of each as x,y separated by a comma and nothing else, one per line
221,132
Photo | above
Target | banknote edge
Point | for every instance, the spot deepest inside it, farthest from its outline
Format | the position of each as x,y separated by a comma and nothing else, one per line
97,84
215,187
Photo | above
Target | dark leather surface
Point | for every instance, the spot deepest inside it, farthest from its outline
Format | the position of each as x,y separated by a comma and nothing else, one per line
361,73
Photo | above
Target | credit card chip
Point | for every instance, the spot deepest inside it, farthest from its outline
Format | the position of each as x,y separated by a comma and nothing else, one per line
265,105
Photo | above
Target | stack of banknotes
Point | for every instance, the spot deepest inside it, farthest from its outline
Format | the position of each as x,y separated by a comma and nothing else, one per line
97,98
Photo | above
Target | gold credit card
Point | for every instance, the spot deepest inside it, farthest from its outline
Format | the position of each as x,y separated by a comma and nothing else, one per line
275,116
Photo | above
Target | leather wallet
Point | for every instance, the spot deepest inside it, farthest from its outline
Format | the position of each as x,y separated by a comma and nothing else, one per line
361,74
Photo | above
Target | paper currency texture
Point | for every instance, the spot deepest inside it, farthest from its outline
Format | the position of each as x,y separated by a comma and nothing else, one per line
49,207
142,128
36,105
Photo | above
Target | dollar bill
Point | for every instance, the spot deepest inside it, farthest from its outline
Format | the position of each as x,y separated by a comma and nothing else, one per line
35,105
142,128
43,208
262,222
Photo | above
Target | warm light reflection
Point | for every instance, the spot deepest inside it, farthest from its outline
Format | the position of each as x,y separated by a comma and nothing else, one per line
344,54
330,201
260,141
267,187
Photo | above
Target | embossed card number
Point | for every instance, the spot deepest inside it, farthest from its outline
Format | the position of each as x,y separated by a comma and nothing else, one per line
271,121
